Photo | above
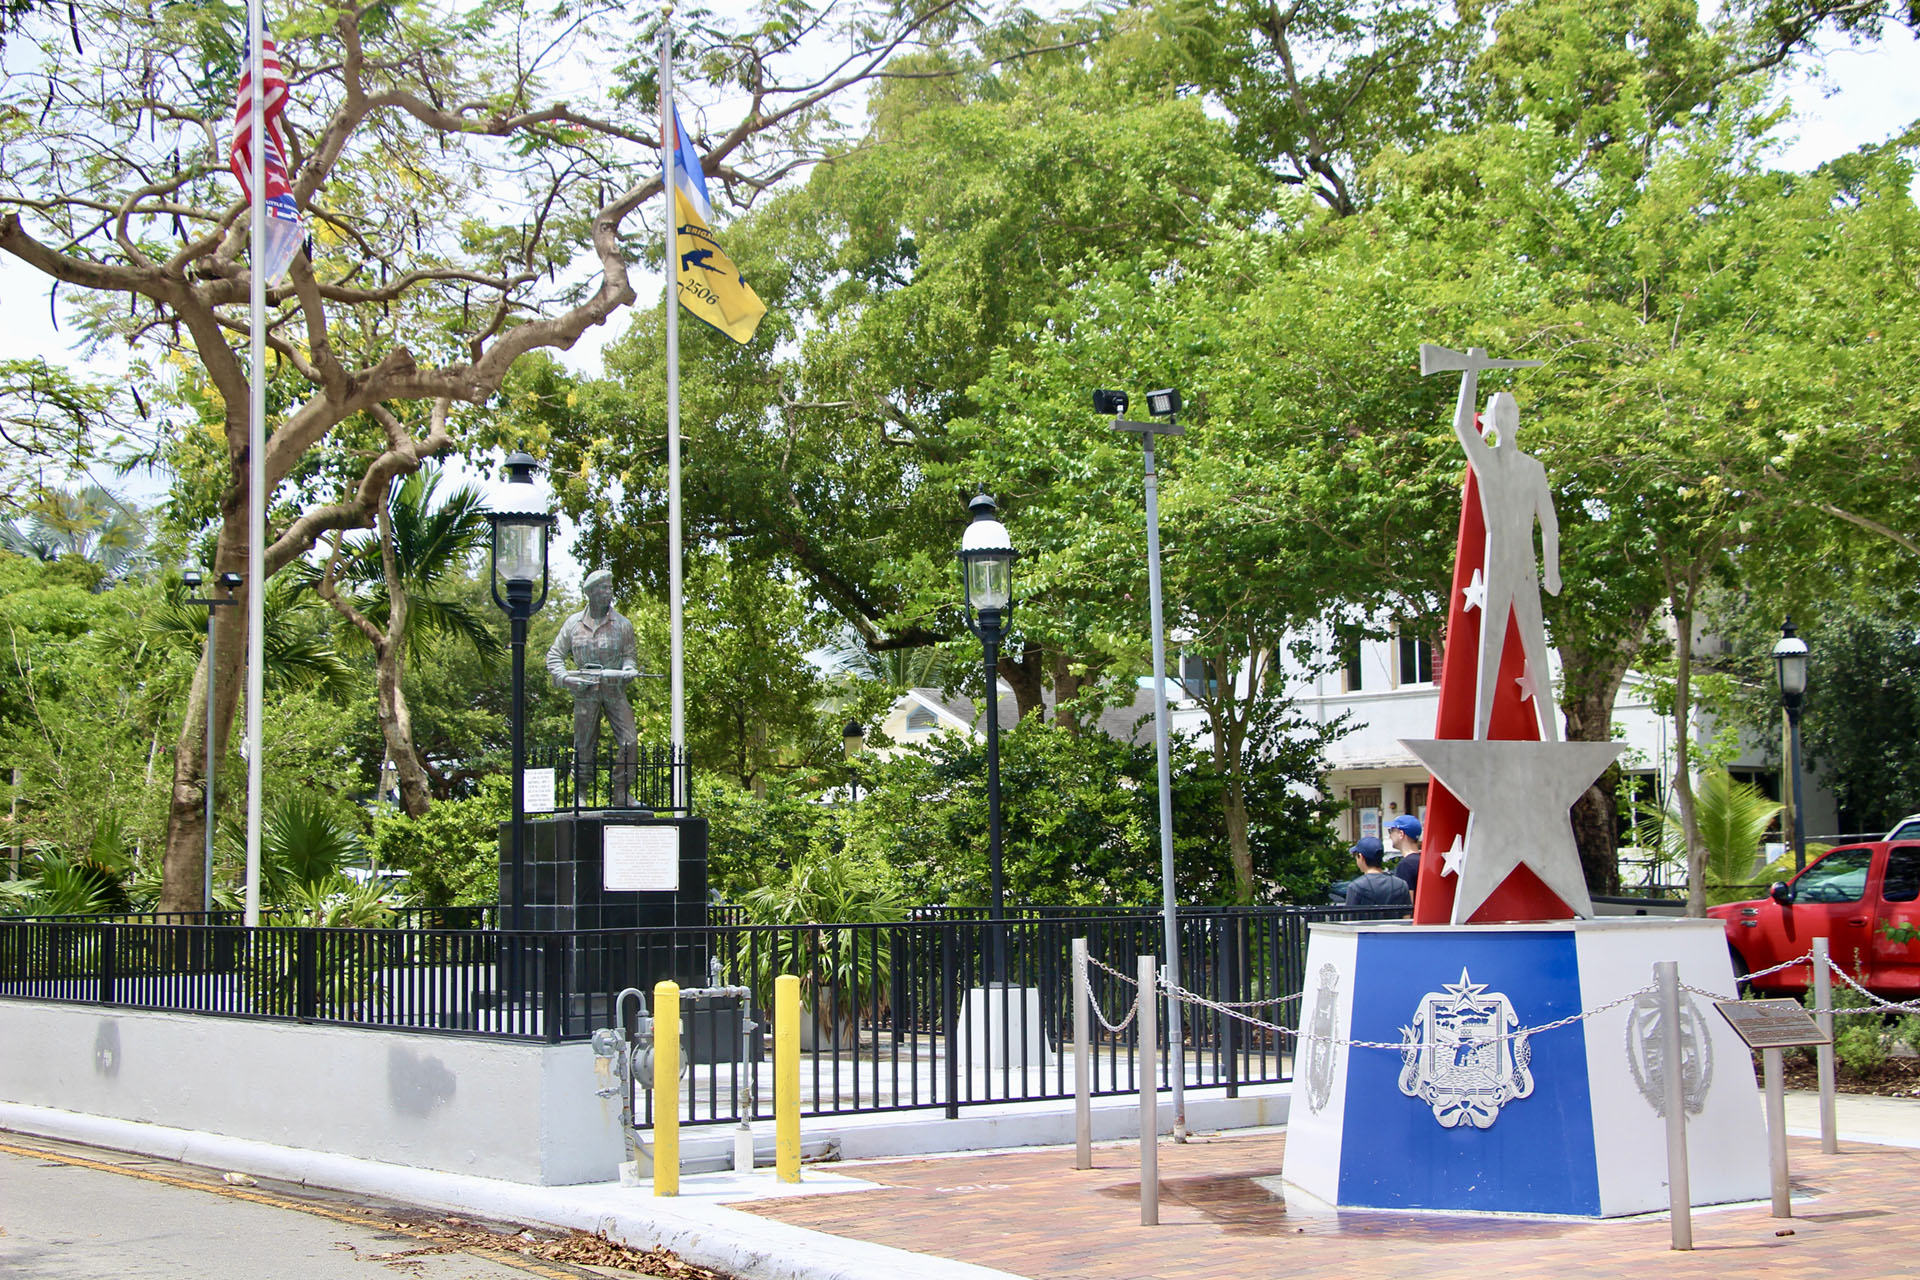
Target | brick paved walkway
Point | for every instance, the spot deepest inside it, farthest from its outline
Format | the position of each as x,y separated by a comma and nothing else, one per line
1033,1214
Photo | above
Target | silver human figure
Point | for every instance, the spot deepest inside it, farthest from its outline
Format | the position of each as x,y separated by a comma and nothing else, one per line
601,644
1513,494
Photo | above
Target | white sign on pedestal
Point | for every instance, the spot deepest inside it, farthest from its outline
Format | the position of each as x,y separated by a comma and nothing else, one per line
643,859
536,790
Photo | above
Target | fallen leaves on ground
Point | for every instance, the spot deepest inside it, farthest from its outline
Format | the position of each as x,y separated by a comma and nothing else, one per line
452,1235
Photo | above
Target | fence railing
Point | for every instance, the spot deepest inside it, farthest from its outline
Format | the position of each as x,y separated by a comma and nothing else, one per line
900,1015
642,777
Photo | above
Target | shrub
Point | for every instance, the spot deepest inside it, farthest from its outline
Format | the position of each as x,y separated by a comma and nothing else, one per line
453,850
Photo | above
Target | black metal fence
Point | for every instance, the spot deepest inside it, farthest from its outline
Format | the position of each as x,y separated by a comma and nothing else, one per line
896,1016
653,778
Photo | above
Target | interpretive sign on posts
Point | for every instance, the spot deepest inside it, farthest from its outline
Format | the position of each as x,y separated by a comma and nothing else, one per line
1771,1024
536,787
642,859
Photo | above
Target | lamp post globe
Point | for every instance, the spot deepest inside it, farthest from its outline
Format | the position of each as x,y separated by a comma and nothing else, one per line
986,576
1790,656
522,518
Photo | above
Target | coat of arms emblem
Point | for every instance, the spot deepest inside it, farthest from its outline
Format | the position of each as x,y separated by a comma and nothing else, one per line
1462,1055
1646,1052
1321,1049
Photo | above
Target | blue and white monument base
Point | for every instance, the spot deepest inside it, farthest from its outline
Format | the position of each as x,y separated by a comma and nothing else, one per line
1457,1112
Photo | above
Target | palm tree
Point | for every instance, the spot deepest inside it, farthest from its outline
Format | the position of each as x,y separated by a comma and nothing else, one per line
92,524
1733,819
388,586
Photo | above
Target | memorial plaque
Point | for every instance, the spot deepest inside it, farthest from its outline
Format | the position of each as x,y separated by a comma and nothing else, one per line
1771,1024
641,858
536,788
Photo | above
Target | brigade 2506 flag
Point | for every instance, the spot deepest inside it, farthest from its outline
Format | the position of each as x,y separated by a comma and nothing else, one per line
711,287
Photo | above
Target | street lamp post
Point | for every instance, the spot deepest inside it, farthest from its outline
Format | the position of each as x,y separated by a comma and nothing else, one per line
854,740
986,575
521,523
1161,404
192,580
1790,666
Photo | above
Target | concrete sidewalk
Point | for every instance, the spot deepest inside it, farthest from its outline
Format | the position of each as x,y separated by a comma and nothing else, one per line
1028,1212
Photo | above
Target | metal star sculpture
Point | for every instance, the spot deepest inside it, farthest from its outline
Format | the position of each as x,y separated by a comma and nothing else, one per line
1518,795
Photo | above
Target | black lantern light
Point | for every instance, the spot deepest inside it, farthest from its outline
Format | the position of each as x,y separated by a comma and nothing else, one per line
1790,668
986,574
521,520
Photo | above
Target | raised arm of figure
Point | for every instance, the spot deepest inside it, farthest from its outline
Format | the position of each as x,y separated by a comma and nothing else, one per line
1549,538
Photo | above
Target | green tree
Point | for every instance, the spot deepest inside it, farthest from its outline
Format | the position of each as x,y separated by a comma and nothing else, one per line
395,589
456,209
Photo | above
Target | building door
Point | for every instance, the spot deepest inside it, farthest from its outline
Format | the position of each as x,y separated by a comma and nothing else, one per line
1365,808
1417,801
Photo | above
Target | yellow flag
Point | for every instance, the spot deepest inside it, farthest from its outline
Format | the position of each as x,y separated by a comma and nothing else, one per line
710,285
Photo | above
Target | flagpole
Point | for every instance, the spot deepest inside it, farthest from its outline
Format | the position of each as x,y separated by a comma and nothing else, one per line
256,448
669,147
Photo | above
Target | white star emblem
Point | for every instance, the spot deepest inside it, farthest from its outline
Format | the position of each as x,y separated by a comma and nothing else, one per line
1453,859
1518,794
1525,680
1465,992
1475,593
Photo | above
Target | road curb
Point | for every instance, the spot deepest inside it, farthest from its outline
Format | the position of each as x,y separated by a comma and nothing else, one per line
703,1233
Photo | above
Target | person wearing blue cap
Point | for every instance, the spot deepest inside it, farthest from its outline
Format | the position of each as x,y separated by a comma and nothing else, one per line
1373,887
1403,833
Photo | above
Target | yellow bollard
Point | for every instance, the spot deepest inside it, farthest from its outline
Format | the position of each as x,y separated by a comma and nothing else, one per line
666,1089
786,1077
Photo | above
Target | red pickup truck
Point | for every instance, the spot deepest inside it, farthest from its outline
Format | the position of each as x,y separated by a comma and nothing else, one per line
1854,895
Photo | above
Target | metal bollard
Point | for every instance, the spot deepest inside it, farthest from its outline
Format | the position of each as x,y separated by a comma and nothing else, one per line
1777,1131
786,1077
1149,1096
666,1089
1679,1189
1823,1056
1082,1061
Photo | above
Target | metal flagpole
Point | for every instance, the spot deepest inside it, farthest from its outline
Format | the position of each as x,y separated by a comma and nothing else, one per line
256,448
669,148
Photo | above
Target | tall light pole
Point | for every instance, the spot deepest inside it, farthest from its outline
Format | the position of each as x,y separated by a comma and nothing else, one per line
853,741
191,579
521,521
986,576
1161,404
1790,667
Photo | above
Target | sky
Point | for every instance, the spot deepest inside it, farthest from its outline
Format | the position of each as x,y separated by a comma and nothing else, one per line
1849,98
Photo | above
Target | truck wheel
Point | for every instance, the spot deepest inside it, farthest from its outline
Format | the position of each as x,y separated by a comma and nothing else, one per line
1740,972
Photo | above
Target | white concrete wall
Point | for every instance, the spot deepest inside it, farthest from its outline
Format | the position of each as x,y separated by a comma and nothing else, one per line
458,1104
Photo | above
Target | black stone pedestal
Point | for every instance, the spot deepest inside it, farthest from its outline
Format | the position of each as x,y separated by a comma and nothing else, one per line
566,892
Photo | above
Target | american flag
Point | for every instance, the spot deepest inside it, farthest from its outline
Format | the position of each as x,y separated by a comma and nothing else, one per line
283,213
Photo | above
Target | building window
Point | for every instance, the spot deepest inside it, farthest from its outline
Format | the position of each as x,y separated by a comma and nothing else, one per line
1196,677
1350,663
1416,660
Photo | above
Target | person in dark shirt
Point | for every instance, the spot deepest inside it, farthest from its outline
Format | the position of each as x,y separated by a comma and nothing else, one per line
1373,887
1403,833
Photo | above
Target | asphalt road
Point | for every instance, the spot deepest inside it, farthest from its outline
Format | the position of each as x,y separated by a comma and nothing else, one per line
75,1213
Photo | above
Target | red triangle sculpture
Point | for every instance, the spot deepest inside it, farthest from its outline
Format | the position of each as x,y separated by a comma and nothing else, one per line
1521,897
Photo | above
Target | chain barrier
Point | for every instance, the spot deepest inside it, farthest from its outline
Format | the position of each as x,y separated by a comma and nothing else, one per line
1523,1033
1236,1009
1086,984
1878,1006
1805,957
